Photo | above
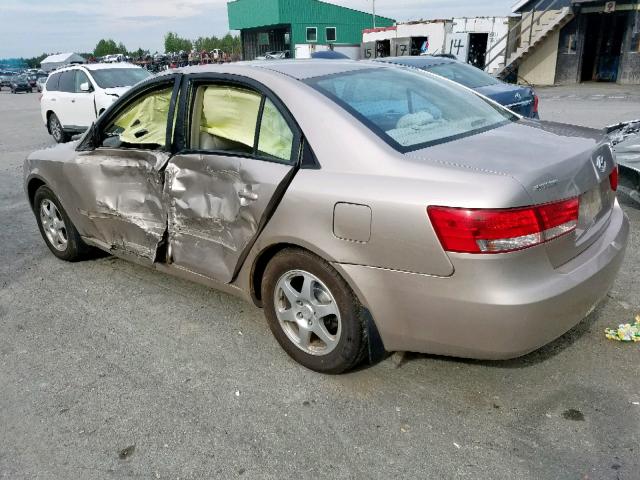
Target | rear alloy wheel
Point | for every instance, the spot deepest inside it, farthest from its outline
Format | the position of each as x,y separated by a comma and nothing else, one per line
56,228
313,313
55,127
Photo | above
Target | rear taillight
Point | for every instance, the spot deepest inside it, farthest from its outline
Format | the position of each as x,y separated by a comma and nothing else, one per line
613,179
466,230
536,101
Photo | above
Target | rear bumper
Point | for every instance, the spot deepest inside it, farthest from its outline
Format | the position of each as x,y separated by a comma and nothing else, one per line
496,307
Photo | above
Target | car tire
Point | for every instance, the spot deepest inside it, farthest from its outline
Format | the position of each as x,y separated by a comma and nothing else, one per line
55,127
56,228
326,306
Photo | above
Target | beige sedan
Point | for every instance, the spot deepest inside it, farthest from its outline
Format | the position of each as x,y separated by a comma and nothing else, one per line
365,207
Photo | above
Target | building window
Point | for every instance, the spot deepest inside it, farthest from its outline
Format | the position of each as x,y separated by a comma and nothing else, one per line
312,34
331,34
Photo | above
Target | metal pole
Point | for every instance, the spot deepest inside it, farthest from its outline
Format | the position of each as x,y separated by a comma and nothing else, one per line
374,13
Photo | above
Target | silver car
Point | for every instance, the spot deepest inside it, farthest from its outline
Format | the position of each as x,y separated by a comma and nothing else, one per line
365,207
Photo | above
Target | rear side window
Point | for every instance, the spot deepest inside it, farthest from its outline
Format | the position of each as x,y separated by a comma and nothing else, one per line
410,110
228,118
276,138
52,83
67,81
242,121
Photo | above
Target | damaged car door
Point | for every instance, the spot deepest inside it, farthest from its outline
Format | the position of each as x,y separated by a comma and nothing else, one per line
240,155
119,184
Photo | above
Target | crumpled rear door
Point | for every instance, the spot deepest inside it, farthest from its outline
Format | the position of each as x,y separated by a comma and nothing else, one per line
216,205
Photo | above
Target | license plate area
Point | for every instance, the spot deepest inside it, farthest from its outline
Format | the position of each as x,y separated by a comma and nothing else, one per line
594,204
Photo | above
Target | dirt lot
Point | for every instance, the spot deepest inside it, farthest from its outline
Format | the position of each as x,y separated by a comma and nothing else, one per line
109,370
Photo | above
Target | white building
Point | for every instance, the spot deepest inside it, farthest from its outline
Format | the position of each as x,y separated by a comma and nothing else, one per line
56,61
412,38
479,41
476,40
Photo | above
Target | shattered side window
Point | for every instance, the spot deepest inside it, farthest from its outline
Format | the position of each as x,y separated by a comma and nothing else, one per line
276,138
227,119
143,124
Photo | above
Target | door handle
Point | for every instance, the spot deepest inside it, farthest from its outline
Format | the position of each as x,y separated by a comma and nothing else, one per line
247,194
73,101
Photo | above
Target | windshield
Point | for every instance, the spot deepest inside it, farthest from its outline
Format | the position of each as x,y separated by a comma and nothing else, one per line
411,110
464,74
119,77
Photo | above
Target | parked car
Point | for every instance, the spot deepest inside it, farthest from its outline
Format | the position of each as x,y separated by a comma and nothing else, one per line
625,138
522,100
330,55
433,221
20,83
280,55
5,80
40,83
75,96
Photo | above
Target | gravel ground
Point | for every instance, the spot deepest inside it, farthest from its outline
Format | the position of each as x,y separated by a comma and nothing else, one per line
109,370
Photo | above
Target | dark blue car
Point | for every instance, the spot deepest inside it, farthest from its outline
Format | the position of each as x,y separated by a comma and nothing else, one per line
521,100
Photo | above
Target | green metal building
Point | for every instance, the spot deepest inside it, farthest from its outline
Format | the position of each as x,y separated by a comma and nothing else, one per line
299,26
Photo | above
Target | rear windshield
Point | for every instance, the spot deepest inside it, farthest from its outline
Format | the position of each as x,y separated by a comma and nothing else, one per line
464,74
409,109
119,77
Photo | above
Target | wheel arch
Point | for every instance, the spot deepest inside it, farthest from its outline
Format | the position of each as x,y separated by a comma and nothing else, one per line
33,185
48,116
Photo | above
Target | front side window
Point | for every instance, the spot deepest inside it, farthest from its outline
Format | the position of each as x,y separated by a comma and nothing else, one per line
312,34
142,124
226,119
81,78
411,110
331,34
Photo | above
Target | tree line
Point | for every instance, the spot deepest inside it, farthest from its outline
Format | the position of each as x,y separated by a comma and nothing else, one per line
173,43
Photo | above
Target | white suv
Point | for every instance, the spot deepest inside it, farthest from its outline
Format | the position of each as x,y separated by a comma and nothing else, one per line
75,96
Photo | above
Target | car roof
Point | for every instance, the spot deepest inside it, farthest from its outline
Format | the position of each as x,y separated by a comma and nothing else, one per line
300,69
423,61
97,66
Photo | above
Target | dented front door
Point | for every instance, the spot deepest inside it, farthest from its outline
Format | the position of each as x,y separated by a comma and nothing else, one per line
216,204
119,196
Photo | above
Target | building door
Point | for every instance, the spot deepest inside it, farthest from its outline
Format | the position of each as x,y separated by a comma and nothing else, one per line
420,46
383,48
603,47
478,49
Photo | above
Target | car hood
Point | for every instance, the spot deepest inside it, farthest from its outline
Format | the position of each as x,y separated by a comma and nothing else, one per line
506,94
117,91
552,161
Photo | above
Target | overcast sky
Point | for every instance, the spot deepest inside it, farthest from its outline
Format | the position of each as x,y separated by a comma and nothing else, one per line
31,27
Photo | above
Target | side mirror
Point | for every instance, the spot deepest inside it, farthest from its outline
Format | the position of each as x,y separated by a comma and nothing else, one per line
85,87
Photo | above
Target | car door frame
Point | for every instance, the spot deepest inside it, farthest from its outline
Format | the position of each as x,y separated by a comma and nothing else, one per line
183,131
90,146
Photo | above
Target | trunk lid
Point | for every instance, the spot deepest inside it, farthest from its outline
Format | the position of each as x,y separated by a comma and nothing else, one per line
552,162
